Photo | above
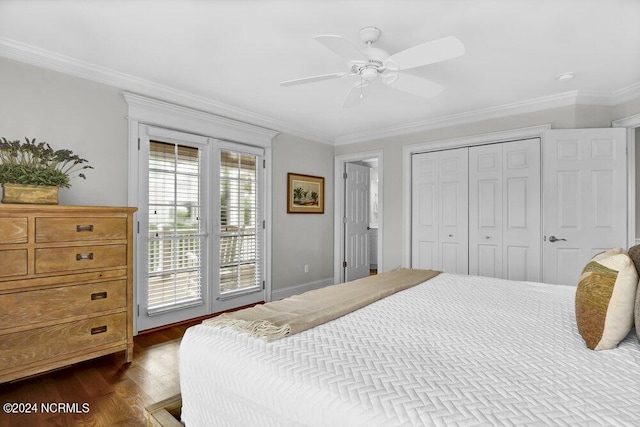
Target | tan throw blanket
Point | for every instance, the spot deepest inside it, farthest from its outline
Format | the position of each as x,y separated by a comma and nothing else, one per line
291,315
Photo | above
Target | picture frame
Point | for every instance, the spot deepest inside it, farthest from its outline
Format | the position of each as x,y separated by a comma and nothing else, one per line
305,194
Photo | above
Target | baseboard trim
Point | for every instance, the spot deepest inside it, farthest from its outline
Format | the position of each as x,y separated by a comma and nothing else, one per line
299,289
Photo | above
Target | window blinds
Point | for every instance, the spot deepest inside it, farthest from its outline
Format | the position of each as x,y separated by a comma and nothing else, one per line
176,238
241,233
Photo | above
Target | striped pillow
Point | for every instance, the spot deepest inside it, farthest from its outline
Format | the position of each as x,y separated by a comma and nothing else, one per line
605,299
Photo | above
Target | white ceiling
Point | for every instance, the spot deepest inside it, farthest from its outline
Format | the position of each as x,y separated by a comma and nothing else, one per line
227,57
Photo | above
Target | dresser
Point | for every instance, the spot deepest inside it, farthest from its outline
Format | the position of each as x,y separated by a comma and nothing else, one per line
66,275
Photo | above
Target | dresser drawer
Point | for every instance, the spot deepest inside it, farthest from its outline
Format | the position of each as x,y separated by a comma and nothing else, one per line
13,262
26,308
80,229
43,344
13,230
54,260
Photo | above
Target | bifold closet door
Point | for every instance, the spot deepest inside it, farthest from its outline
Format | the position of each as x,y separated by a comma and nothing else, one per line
504,210
440,211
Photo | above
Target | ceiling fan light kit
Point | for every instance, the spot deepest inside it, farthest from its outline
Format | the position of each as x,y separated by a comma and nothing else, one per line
368,62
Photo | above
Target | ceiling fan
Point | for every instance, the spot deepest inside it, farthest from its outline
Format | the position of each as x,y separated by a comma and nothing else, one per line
370,62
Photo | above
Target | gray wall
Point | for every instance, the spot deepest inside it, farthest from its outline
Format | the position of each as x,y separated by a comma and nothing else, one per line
90,119
562,117
68,112
301,239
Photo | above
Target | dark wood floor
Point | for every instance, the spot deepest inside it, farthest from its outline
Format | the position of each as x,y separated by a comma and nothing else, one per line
116,394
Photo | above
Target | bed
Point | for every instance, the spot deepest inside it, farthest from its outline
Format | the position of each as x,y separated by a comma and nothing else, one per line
454,350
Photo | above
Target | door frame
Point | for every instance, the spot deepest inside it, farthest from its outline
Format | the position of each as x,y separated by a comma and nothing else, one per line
339,206
631,123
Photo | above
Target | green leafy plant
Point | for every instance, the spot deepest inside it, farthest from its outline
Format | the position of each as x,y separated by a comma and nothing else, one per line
32,163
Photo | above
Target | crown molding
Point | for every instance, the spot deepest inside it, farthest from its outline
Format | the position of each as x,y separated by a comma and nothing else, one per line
626,94
29,54
32,55
609,99
571,98
512,109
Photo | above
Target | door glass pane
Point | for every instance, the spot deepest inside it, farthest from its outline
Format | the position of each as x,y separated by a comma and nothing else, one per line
239,231
175,235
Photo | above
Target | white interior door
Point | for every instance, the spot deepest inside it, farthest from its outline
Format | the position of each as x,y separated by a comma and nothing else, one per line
440,230
425,208
356,225
485,210
454,210
504,210
584,200
522,224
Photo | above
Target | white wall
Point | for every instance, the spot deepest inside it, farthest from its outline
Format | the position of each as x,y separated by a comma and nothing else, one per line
301,239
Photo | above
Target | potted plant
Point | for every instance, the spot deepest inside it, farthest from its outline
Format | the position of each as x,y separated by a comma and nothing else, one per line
33,172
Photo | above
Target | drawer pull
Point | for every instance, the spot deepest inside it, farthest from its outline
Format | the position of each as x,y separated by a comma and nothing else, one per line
81,228
80,257
98,330
99,295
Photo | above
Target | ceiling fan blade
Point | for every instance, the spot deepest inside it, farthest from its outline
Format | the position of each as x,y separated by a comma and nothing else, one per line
415,85
342,47
426,53
354,96
313,79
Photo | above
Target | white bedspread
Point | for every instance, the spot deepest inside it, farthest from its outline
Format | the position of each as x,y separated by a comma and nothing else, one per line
456,350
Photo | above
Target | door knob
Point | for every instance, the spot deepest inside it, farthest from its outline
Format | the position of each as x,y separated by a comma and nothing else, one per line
553,239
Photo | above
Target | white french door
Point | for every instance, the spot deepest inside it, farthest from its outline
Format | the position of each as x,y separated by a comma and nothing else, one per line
200,238
239,227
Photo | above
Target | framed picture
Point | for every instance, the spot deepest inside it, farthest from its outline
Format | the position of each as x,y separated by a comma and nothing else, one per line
305,193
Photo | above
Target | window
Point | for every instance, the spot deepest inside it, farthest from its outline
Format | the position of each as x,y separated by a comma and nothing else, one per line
240,225
176,238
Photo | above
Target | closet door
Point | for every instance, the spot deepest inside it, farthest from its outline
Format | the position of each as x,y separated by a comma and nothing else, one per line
522,225
425,222
440,211
485,210
504,213
454,211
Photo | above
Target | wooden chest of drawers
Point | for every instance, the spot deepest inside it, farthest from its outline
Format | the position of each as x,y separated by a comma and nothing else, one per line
66,275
